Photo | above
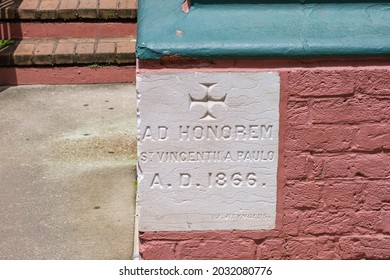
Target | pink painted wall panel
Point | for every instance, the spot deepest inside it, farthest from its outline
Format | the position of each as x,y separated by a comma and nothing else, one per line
334,169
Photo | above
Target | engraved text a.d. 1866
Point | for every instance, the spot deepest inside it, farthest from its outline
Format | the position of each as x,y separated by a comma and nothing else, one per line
208,150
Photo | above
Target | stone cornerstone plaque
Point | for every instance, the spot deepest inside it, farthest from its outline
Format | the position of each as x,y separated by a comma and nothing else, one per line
207,150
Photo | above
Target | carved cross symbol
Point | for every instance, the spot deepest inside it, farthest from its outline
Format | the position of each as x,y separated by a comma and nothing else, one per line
207,101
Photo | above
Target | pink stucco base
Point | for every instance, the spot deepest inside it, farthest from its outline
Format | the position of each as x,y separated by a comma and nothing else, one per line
333,199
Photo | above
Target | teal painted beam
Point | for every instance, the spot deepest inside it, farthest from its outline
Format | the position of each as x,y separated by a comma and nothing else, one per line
250,29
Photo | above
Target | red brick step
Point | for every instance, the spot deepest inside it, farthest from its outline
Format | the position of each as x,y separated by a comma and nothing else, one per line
68,9
69,51
68,41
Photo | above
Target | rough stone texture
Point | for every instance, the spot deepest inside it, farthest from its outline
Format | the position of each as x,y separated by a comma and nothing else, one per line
334,198
222,151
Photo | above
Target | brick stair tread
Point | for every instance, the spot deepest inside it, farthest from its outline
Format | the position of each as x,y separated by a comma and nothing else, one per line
69,51
68,9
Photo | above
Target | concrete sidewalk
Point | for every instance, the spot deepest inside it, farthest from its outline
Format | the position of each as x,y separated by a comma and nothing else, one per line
67,171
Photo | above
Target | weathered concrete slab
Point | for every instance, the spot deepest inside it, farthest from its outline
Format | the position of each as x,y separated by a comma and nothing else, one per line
67,172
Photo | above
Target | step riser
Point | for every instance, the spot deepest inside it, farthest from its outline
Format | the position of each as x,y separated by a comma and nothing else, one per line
69,29
66,75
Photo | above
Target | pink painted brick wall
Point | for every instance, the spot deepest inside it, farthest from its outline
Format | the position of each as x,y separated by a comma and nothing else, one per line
333,182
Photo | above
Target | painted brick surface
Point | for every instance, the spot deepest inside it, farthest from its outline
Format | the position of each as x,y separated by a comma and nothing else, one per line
333,184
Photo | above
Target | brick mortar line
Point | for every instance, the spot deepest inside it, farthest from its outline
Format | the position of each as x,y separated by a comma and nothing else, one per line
98,9
57,10
36,12
77,9
116,50
74,52
53,61
38,6
95,45
32,61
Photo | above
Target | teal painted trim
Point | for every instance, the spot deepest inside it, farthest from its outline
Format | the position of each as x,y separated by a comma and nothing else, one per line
213,2
246,30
